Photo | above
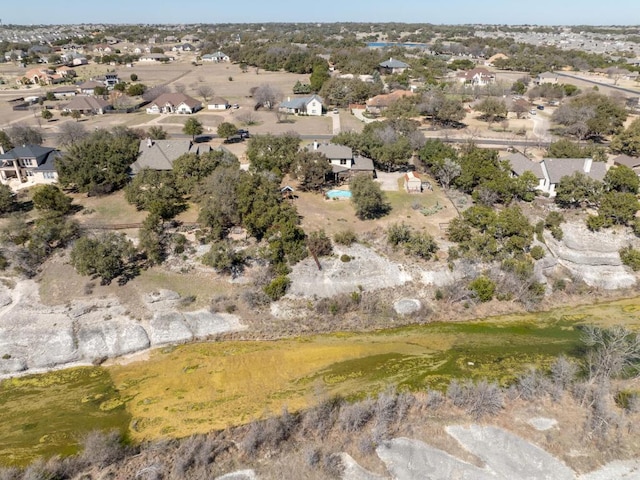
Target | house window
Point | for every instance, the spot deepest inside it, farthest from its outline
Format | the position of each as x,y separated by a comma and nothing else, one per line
49,175
343,161
29,173
26,162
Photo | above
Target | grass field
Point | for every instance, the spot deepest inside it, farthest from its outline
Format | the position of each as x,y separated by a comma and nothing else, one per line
198,387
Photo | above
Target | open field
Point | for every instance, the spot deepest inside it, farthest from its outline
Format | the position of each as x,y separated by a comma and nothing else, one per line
199,387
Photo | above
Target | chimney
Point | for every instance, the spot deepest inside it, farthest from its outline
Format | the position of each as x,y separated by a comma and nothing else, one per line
587,165
315,145
288,99
149,143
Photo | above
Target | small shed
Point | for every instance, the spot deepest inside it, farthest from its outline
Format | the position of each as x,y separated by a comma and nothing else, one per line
412,182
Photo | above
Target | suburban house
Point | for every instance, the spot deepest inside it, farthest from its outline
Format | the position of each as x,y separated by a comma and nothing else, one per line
73,58
546,77
217,57
64,92
41,76
344,163
477,77
412,182
108,80
18,55
28,165
174,103
553,169
184,47
155,57
378,104
87,105
632,162
89,87
190,39
311,105
521,163
160,154
392,66
218,103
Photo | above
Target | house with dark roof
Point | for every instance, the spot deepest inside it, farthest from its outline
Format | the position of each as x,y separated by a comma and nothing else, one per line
392,66
556,168
551,170
344,163
310,105
28,165
632,162
174,103
521,163
160,154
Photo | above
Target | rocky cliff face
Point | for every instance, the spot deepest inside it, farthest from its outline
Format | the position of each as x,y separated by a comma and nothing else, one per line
36,337
593,256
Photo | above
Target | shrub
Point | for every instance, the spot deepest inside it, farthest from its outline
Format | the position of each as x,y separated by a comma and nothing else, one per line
398,233
319,244
483,288
630,257
346,237
345,258
422,245
556,232
537,252
278,287
596,222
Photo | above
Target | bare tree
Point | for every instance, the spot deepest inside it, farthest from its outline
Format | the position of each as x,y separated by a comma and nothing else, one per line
205,91
151,94
180,87
248,118
71,132
21,134
267,96
447,172
612,352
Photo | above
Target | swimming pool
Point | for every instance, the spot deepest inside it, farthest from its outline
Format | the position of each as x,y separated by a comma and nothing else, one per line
338,194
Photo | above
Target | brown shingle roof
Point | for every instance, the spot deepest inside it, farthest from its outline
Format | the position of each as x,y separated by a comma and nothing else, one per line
175,99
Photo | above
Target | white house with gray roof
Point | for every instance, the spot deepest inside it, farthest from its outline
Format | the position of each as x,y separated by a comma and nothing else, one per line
344,163
551,170
28,165
311,105
392,66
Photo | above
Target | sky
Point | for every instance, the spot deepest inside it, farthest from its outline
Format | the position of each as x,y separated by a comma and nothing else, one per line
538,12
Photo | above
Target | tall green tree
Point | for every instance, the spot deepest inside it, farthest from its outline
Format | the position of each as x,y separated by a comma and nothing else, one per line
192,127
273,153
368,198
108,256
227,129
99,163
622,179
312,169
628,141
51,199
156,192
7,199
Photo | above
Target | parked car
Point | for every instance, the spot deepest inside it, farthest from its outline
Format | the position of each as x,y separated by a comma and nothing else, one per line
532,111
234,139
540,107
335,110
244,133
